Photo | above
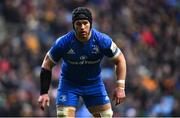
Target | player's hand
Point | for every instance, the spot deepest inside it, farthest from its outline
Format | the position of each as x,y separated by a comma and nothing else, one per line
43,101
119,95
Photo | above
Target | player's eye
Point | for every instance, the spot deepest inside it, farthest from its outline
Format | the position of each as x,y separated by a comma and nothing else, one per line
78,23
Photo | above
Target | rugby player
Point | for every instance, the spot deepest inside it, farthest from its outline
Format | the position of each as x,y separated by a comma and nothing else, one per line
81,51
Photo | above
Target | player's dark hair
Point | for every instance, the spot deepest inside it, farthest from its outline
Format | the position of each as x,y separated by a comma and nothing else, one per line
81,13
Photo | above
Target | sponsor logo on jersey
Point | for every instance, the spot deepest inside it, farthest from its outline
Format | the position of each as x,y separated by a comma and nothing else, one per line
84,62
83,57
71,51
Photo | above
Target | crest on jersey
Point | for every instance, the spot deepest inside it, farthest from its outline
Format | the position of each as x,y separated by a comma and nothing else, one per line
62,98
95,49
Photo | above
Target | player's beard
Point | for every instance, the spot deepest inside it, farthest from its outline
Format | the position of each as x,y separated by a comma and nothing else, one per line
81,37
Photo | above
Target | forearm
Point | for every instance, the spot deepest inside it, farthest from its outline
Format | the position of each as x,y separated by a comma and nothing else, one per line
45,80
121,71
45,75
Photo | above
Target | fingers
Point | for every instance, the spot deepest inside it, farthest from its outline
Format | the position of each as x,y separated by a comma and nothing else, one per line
118,100
43,103
47,103
42,108
119,96
40,103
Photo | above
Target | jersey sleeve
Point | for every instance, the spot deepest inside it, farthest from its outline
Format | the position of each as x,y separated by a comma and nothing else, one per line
56,51
110,49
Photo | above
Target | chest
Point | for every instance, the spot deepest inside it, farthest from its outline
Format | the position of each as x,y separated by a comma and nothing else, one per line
89,52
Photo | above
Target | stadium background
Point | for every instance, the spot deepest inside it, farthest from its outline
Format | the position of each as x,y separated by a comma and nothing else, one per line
147,31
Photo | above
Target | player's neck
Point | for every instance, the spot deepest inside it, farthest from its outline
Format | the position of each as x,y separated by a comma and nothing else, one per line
84,39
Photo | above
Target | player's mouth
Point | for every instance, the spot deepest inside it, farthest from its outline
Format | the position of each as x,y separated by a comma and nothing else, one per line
83,33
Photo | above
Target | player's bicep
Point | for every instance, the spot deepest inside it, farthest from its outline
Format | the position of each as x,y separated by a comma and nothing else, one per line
119,58
47,63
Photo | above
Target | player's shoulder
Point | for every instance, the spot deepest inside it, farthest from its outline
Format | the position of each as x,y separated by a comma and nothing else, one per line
100,35
65,38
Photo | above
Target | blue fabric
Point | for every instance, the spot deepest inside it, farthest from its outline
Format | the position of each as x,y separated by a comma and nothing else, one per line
81,61
68,94
81,71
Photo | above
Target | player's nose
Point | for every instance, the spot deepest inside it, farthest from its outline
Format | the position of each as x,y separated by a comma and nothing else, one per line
82,26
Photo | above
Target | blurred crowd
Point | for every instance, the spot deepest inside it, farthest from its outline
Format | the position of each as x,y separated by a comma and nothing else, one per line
147,32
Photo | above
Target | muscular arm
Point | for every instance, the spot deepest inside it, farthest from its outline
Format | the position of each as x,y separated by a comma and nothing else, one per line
45,75
119,93
45,79
47,63
120,66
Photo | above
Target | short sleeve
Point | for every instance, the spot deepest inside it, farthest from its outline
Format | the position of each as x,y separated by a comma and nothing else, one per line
56,51
110,49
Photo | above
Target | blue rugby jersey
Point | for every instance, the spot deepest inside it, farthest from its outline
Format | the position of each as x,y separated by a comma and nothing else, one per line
81,60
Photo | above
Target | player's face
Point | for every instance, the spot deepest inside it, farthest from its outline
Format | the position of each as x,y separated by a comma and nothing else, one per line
82,28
